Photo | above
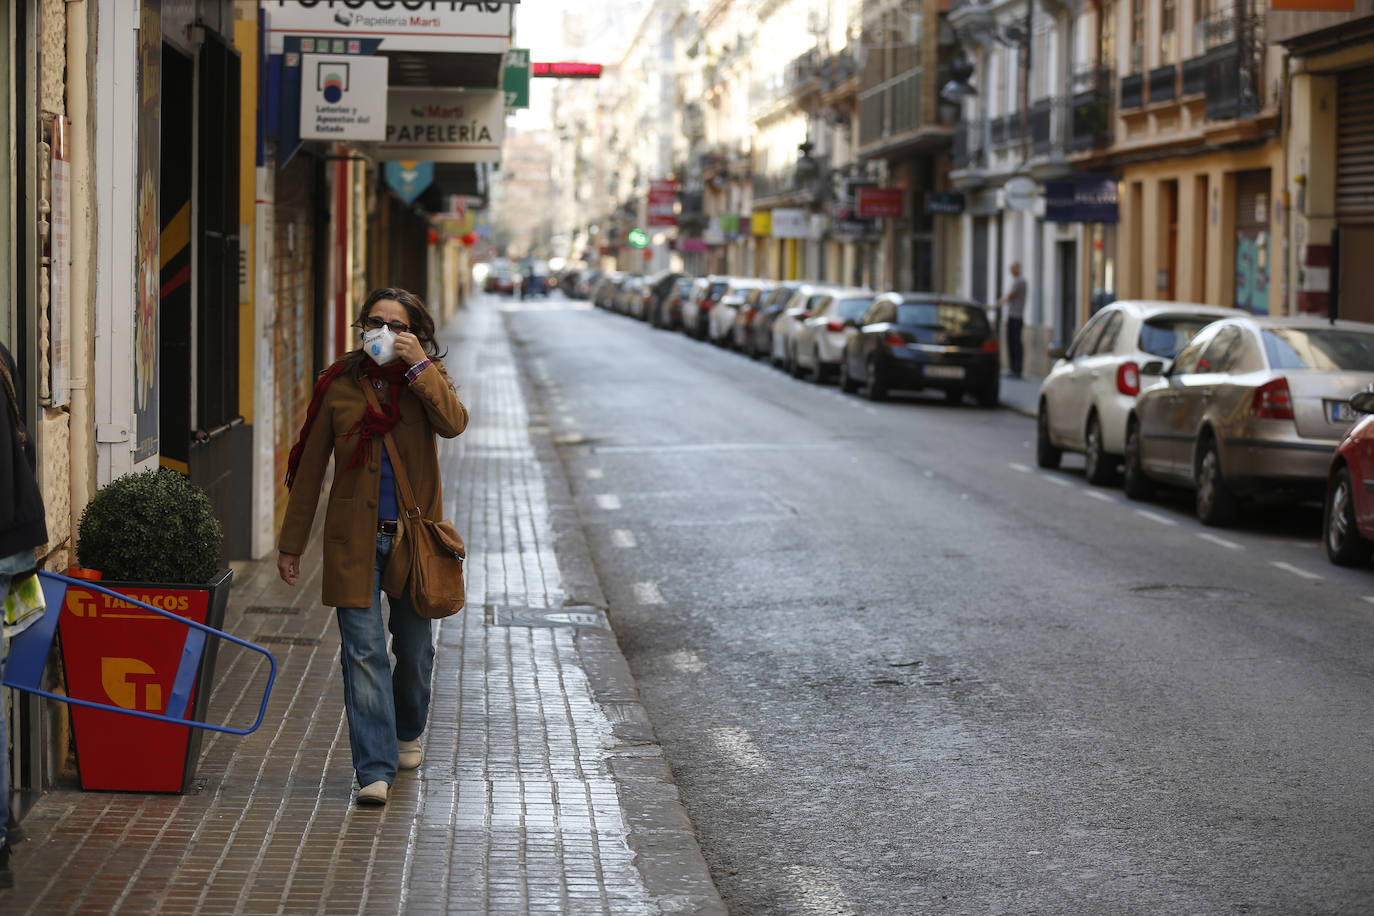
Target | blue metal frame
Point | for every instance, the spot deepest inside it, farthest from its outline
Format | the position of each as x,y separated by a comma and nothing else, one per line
29,655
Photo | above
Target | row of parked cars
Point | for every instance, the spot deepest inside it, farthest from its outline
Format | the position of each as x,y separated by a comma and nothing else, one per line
867,341
1235,407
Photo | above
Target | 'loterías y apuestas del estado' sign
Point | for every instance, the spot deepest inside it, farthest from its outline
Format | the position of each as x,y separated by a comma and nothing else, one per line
444,125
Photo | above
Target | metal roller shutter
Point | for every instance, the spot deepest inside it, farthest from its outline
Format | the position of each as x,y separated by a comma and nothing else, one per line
1355,147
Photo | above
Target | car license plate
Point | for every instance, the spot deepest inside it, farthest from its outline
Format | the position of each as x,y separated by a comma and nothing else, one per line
944,371
1341,411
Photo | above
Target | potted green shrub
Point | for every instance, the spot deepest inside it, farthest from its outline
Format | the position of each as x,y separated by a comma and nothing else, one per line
152,536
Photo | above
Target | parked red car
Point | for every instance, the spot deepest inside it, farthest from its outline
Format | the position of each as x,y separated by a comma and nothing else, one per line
1348,516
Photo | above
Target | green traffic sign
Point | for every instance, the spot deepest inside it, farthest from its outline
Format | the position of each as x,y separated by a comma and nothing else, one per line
515,78
638,238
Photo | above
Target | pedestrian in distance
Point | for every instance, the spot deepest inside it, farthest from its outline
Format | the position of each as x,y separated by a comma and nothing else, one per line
1015,303
23,527
366,553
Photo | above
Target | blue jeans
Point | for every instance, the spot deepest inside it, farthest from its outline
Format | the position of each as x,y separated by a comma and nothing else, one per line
384,705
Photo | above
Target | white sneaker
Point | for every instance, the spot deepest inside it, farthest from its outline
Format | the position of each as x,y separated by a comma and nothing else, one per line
374,793
409,754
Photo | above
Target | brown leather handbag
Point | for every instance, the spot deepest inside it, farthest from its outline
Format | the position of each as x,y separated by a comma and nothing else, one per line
437,551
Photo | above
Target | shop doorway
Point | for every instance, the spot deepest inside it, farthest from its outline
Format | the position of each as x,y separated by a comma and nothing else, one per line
1067,256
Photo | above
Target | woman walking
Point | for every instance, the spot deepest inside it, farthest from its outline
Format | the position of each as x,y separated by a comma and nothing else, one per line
366,552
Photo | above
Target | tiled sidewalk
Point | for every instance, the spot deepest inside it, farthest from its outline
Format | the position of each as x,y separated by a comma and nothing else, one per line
542,789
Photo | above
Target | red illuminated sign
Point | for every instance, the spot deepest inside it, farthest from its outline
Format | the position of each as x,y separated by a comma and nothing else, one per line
566,69
888,202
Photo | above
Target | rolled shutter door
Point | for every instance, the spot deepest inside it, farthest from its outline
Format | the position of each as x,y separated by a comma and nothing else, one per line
1355,147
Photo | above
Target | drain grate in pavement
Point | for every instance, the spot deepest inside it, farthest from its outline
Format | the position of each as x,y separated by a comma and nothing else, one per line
276,640
272,609
575,616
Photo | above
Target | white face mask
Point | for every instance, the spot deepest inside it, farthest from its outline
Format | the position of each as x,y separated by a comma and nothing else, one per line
380,345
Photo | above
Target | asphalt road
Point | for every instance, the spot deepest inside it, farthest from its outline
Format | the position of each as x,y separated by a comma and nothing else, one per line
896,669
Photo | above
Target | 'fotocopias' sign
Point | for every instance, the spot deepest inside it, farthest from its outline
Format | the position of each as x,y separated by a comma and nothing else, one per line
444,125
395,25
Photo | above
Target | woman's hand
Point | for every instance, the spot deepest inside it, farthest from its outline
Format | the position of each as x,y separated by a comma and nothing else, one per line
288,567
409,349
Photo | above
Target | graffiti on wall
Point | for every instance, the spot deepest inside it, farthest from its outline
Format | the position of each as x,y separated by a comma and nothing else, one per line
1252,271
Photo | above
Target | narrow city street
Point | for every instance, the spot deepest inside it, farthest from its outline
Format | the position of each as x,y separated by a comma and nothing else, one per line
896,668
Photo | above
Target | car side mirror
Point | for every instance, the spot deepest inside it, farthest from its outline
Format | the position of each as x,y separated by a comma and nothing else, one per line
1363,402
1153,367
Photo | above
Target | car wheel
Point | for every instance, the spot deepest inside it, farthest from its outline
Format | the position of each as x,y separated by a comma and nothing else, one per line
1046,455
954,395
1098,466
1216,505
793,364
847,382
1344,544
818,368
1134,482
876,389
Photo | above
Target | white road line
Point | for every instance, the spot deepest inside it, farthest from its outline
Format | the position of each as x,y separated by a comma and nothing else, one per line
607,501
1289,567
1155,517
1369,598
818,891
1057,481
1099,496
686,661
594,474
623,537
735,745
1232,545
648,593
1019,467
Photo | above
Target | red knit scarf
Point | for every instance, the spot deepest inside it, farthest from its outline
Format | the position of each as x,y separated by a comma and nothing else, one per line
373,425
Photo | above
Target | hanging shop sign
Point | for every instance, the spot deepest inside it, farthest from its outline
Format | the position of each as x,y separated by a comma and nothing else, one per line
693,246
444,125
872,202
409,178
713,234
662,203
386,25
565,69
343,98
761,223
944,202
515,78
1019,192
791,224
1081,198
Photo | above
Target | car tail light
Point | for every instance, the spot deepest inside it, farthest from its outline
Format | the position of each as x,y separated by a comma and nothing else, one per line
894,340
1273,401
706,305
1128,379
989,346
834,326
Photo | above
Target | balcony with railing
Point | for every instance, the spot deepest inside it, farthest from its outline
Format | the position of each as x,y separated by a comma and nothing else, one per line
1091,111
803,72
836,70
890,108
1231,70
1132,91
1163,84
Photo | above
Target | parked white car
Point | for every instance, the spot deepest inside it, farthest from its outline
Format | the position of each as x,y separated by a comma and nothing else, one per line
820,339
789,320
1085,399
696,308
720,322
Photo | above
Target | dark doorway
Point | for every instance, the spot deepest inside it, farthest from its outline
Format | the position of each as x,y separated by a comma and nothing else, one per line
1067,253
174,305
980,259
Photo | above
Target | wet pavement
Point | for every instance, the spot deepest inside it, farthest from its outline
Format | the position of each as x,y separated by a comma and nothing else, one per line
543,788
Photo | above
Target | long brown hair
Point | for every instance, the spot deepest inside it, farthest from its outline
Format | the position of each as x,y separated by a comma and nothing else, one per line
417,316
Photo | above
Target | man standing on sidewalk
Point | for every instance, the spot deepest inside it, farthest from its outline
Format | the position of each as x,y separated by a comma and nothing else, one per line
1015,303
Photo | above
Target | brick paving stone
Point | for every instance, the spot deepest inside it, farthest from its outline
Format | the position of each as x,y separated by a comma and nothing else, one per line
515,808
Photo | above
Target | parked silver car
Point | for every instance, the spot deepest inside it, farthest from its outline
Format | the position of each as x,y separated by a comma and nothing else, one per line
1251,405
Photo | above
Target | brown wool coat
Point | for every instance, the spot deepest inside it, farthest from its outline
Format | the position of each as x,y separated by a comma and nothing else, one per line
429,406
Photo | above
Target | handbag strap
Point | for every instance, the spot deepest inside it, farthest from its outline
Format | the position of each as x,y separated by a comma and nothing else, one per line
397,468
